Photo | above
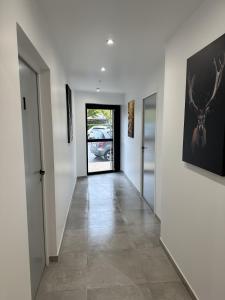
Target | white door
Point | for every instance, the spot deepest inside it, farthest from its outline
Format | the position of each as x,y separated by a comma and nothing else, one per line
148,149
33,172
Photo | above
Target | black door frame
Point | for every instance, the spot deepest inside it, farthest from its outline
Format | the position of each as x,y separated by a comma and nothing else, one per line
116,138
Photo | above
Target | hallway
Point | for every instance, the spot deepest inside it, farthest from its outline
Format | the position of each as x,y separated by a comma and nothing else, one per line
111,249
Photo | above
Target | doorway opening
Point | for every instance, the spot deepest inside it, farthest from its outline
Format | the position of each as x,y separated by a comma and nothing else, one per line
148,150
102,138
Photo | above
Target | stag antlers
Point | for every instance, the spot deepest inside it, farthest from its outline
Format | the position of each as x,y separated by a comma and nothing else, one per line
190,92
219,73
199,132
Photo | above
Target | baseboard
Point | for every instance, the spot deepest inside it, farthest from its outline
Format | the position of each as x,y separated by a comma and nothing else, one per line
53,259
158,218
140,195
60,244
82,177
132,184
179,272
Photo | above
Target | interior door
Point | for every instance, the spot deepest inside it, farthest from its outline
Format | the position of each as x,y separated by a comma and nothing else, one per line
33,172
148,149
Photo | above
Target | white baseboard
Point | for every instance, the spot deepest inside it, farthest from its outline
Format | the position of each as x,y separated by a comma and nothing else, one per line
139,193
61,238
179,272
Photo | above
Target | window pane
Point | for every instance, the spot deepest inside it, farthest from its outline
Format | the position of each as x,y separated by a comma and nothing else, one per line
100,157
99,123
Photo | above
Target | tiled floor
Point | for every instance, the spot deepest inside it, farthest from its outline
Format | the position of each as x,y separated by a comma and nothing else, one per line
111,248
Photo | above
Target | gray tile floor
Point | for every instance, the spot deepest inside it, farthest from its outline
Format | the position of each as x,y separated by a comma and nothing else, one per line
111,249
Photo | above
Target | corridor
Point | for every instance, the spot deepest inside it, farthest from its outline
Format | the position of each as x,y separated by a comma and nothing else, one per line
111,249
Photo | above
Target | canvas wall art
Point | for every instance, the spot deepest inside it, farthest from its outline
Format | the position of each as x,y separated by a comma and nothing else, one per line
131,107
69,114
204,122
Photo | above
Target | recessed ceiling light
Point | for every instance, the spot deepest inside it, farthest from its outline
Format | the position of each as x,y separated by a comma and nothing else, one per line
103,69
110,42
98,90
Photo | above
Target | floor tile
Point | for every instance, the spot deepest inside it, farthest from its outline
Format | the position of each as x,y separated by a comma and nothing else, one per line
74,241
127,264
108,242
102,273
120,293
74,260
158,269
78,294
111,248
168,291
58,278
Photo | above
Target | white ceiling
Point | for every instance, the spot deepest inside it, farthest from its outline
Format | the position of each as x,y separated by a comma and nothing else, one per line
140,29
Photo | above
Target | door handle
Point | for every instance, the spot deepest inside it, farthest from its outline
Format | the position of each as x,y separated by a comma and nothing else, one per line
42,172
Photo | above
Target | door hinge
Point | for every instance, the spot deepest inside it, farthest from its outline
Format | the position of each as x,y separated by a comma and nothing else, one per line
24,103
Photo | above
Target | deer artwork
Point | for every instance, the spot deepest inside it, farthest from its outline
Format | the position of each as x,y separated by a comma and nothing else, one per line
199,135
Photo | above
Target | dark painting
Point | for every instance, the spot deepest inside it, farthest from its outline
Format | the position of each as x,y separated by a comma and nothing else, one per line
204,122
69,114
131,106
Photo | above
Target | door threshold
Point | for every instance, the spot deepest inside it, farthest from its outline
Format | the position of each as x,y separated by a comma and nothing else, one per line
102,172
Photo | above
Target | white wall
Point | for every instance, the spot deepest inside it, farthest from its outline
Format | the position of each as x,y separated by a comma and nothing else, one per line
193,217
14,258
64,155
131,147
81,98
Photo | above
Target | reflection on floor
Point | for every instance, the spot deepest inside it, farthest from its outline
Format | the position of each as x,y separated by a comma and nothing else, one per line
111,249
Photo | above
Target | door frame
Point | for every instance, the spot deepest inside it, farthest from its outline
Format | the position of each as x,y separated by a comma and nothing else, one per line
142,153
30,56
116,140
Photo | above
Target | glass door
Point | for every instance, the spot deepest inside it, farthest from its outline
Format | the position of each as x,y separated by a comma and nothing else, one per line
101,138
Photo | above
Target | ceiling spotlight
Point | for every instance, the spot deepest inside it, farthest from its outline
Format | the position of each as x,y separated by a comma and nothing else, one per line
103,69
98,90
110,42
